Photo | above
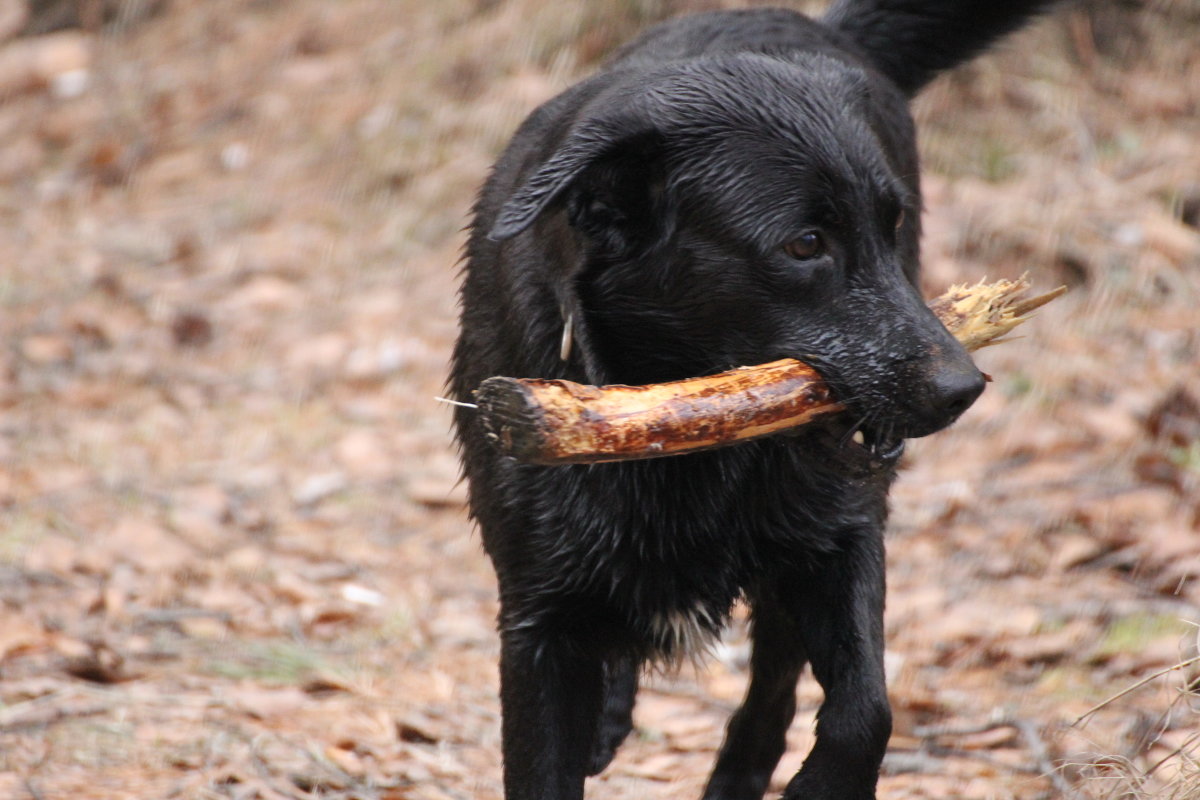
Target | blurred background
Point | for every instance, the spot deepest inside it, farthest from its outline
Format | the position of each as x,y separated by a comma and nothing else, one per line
234,560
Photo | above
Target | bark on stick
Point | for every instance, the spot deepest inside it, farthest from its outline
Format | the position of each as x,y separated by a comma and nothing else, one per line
561,422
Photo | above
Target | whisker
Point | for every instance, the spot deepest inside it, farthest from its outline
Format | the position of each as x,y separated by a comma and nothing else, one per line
458,403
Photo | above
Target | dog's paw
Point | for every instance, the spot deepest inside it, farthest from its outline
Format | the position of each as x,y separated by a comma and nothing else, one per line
723,786
608,738
808,785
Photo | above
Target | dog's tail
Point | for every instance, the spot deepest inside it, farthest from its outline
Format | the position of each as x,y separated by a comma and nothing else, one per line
911,41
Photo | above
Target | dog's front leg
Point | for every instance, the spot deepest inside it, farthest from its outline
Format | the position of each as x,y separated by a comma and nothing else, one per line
757,733
550,696
616,715
841,622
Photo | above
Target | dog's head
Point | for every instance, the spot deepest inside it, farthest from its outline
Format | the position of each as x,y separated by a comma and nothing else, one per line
743,208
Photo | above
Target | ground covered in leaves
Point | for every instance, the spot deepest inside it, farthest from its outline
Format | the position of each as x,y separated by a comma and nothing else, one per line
234,560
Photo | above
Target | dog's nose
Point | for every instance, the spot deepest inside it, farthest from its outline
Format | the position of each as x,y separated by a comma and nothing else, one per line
953,390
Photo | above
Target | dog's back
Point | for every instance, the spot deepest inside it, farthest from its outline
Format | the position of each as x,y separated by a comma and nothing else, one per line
730,188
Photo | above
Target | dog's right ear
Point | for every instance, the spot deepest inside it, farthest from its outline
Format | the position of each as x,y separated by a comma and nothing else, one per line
520,210
606,171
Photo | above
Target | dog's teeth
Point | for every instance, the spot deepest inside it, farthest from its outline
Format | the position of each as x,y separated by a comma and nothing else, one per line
859,438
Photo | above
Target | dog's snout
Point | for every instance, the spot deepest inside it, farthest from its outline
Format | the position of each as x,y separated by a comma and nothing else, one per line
953,389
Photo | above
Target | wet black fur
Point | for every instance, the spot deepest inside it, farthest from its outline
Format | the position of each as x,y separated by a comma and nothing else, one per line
651,206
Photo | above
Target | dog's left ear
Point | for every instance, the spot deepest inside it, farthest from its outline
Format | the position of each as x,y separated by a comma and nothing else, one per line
608,173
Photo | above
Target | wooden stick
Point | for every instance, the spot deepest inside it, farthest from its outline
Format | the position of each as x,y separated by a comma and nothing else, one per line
561,422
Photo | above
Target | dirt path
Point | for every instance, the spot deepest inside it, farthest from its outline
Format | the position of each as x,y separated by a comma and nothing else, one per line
233,556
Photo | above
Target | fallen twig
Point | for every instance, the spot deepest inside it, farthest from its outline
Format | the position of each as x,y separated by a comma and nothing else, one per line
30,787
1041,753
1029,734
1134,687
51,708
167,616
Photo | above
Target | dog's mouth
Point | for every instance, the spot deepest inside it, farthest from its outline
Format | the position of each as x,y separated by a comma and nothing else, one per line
851,439
865,448
855,449
879,448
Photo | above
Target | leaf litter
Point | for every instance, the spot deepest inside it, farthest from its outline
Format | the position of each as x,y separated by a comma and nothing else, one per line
234,559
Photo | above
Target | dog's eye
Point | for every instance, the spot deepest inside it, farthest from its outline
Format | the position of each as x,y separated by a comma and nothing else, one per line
806,246
900,219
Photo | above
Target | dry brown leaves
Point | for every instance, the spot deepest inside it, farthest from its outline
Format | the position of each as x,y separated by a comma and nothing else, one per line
233,556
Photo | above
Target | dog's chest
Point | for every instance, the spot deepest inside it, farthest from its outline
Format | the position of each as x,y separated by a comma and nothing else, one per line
670,547
685,633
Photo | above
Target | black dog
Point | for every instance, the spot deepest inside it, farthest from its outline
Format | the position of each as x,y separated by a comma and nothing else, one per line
731,189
